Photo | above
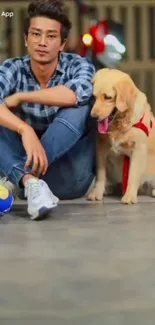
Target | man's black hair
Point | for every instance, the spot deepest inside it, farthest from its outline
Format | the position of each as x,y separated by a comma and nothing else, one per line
52,9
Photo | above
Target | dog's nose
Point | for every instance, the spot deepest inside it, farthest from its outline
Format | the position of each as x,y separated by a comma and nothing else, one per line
93,114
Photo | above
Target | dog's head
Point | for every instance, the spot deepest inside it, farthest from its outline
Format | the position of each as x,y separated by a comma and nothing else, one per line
117,97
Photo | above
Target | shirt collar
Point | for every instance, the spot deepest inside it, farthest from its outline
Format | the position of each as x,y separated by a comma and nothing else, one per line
59,68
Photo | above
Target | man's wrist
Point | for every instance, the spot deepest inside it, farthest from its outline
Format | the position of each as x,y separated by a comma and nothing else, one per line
23,127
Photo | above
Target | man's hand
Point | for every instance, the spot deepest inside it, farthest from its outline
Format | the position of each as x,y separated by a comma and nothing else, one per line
13,101
35,151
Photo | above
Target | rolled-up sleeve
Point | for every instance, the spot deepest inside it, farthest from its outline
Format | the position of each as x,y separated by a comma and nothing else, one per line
81,81
8,79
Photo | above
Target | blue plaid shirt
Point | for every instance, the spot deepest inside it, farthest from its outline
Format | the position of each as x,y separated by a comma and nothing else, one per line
72,71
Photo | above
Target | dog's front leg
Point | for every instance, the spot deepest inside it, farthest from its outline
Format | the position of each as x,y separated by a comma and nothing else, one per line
101,159
138,161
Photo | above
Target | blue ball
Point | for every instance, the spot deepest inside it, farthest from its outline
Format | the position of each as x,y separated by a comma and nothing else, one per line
6,199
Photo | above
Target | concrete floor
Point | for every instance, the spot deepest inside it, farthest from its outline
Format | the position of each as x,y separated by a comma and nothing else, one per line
88,264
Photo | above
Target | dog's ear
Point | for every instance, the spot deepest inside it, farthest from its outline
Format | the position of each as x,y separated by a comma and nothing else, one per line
126,93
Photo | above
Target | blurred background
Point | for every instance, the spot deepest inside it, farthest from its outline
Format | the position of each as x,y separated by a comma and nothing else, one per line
132,20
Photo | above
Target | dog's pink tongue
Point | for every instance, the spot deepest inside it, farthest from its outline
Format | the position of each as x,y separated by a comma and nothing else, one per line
103,126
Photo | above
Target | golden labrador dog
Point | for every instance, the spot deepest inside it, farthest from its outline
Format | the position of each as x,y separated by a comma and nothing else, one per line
125,136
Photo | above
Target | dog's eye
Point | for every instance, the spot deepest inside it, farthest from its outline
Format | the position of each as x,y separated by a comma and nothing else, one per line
107,97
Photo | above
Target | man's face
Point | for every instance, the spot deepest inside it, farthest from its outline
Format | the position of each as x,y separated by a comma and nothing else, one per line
44,39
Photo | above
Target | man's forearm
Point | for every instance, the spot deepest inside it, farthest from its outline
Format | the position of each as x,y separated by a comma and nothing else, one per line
57,96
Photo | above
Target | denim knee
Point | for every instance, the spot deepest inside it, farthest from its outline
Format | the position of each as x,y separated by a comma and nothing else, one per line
71,175
74,118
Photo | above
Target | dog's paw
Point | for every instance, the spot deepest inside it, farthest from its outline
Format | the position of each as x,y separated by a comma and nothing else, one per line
95,195
129,198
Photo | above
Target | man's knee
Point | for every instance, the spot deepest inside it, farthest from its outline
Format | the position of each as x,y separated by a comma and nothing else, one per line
71,175
75,118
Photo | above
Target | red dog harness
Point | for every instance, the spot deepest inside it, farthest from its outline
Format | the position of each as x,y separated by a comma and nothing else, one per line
143,127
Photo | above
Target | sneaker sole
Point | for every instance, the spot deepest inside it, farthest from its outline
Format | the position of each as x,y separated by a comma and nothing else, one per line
42,213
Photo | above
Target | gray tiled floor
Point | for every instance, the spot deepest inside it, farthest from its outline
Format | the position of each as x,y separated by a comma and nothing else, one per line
88,264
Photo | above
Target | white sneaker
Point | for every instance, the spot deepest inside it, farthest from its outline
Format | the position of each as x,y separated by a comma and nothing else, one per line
40,198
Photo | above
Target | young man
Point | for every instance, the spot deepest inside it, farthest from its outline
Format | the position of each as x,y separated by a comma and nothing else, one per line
47,144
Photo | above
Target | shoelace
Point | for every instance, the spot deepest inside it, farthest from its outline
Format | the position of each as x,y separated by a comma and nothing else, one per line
32,190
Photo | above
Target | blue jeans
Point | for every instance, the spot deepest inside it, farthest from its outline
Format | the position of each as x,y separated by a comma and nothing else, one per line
69,142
